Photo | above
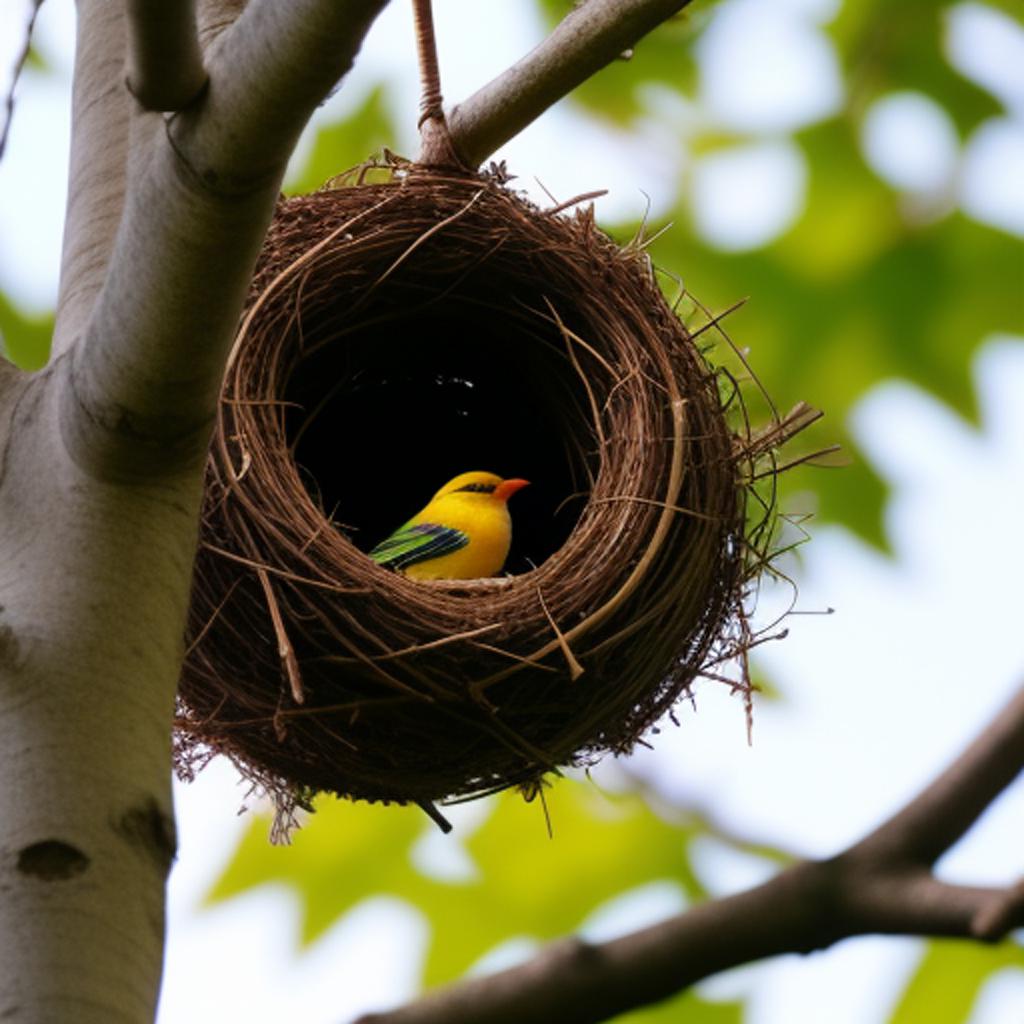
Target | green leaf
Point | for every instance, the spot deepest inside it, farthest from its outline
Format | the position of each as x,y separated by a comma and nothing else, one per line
532,885
347,853
348,142
949,978
764,685
525,884
24,340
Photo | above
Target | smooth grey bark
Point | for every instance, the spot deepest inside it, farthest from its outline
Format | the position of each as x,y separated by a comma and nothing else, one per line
165,66
101,462
93,583
197,204
100,124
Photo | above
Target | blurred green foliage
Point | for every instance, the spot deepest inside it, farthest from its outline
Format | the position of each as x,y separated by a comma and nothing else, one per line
602,848
523,883
36,60
344,144
24,340
948,979
863,286
689,1008
851,295
885,48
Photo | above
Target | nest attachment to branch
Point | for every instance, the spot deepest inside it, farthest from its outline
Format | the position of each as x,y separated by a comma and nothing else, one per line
400,333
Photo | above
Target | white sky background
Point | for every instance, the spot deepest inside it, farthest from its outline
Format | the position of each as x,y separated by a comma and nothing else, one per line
922,648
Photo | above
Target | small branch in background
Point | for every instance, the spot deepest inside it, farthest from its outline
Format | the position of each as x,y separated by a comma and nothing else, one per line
165,66
19,65
883,884
932,822
898,856
589,38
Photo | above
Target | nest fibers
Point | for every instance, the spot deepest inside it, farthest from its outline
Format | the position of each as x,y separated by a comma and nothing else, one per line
400,333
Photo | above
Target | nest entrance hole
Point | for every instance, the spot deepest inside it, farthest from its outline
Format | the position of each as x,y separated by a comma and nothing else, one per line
383,417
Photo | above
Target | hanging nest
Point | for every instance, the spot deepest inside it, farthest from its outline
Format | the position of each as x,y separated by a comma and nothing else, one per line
399,333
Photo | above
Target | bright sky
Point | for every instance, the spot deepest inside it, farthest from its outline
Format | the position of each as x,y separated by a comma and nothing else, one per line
877,696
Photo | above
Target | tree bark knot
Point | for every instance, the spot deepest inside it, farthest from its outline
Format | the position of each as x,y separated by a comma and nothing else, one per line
149,830
52,860
210,182
10,648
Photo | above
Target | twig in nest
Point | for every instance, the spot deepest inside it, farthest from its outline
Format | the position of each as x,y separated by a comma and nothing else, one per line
284,646
575,668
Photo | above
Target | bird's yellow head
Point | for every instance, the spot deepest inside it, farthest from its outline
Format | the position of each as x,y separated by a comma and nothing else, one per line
487,485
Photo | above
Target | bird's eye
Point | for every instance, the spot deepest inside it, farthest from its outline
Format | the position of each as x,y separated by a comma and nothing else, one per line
479,488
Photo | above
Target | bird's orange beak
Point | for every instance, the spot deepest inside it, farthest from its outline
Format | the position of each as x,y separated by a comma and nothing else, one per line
507,488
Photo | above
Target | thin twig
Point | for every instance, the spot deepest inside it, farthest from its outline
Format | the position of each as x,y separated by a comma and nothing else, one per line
575,668
584,197
426,50
435,141
431,811
19,64
284,645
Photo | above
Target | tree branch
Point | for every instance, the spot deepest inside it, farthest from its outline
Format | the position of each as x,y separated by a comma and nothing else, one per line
268,72
435,142
140,394
165,67
100,115
591,36
216,16
949,806
883,884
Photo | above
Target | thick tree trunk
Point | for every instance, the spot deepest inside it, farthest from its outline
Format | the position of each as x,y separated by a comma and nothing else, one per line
94,581
101,469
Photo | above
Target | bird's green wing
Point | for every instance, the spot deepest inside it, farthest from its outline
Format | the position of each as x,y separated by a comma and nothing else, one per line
418,542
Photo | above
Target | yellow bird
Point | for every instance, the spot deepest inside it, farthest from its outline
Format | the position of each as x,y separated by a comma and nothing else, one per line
463,533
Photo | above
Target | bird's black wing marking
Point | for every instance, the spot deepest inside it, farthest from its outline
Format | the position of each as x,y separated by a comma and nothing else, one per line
418,542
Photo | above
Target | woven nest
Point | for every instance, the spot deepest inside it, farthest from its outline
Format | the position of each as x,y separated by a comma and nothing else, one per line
400,333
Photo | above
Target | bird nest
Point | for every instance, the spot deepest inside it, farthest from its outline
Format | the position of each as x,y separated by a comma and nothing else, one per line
399,333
